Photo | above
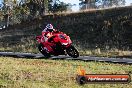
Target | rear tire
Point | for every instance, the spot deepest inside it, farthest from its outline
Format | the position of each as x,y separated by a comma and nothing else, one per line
72,51
43,51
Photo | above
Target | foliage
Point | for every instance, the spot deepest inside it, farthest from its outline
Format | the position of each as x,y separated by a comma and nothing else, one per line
18,11
85,4
57,6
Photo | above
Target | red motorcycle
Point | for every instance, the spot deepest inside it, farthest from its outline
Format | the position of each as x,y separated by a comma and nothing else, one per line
60,44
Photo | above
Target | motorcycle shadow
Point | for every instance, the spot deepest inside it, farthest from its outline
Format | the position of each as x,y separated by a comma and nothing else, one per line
37,56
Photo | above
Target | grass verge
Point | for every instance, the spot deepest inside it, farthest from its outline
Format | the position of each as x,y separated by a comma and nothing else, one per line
43,73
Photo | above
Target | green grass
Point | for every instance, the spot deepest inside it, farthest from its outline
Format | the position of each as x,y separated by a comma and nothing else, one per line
43,73
106,53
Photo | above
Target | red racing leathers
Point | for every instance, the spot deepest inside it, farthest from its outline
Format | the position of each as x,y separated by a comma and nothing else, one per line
46,35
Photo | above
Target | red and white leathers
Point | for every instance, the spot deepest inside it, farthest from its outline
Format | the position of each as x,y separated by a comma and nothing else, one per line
45,36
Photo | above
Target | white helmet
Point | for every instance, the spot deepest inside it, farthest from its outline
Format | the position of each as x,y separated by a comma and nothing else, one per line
49,27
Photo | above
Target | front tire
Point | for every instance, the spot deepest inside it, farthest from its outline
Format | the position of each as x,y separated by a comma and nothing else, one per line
43,51
72,51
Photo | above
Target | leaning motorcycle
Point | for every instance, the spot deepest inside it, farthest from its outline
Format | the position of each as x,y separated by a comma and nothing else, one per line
60,44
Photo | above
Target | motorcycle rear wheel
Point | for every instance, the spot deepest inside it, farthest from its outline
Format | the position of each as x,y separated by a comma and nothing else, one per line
43,51
72,51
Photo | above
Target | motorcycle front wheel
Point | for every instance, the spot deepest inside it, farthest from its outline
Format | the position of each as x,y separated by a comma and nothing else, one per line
43,51
72,51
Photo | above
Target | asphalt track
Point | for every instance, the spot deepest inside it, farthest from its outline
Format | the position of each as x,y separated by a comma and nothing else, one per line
82,58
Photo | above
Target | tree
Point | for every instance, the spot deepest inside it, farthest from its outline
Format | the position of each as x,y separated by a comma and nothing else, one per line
7,5
37,5
110,3
69,7
86,4
16,11
56,6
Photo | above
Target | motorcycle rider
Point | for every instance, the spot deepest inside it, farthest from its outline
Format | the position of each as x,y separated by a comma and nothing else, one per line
46,34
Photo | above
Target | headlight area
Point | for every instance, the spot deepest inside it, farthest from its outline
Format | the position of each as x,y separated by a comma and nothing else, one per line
64,43
62,37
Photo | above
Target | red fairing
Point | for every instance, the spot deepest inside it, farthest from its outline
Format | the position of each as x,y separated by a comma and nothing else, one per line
58,37
39,38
